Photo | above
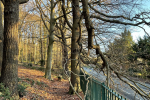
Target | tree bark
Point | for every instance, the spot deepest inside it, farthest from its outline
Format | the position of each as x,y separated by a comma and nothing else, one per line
26,50
20,48
64,51
1,36
50,46
41,46
9,73
88,23
75,79
20,1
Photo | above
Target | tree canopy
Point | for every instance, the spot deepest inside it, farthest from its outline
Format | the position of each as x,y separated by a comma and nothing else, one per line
142,48
122,45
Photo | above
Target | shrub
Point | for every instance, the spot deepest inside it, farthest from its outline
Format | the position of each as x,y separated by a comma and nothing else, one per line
21,90
40,83
41,69
30,80
30,64
4,92
25,84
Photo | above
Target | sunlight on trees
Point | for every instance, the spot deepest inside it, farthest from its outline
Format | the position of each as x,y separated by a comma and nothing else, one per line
65,36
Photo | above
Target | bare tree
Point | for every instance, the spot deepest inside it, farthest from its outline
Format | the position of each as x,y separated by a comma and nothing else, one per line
52,20
91,12
75,69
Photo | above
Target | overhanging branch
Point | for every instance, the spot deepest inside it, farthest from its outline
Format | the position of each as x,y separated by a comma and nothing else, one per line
116,21
20,1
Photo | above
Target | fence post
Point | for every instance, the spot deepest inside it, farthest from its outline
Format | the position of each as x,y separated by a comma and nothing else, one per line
103,92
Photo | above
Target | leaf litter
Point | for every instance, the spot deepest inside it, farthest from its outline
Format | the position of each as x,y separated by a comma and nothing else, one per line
41,88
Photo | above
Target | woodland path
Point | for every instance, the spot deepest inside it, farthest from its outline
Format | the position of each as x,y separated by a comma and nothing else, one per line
42,89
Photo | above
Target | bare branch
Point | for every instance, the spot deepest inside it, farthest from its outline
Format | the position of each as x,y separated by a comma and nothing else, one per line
116,21
23,1
65,15
20,1
108,15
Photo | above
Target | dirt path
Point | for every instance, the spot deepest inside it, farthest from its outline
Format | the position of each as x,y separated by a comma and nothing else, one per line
43,89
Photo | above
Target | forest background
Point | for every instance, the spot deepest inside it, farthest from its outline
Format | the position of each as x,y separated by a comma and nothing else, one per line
68,35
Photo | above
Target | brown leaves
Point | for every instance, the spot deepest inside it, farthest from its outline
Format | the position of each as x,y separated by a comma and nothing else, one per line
43,89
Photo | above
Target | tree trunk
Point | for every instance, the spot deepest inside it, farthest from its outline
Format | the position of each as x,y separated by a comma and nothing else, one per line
50,45
64,45
41,46
20,48
57,55
26,50
34,53
1,36
64,52
75,79
9,73
22,52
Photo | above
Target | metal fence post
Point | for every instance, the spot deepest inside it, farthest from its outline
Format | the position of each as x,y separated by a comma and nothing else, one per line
103,92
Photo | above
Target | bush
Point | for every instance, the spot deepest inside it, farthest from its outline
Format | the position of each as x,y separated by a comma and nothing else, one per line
144,73
30,64
25,84
19,79
30,80
148,63
133,70
40,83
4,92
21,90
41,69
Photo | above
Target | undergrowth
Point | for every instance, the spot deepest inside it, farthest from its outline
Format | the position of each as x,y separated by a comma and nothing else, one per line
5,93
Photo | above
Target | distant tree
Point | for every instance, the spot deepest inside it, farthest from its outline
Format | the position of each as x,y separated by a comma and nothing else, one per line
142,48
121,47
122,44
50,29
126,40
41,46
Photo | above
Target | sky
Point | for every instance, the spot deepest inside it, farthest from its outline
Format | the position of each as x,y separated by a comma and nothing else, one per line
138,32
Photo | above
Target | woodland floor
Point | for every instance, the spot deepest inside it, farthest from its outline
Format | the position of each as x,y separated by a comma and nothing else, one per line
39,88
